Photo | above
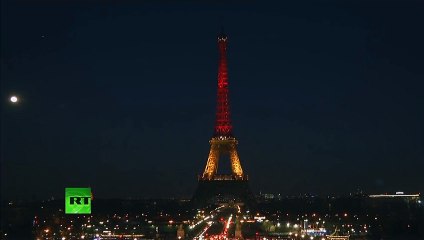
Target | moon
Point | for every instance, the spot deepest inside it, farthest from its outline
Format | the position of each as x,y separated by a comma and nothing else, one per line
14,99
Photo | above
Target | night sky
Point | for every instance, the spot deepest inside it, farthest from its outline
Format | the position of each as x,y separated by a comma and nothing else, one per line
326,96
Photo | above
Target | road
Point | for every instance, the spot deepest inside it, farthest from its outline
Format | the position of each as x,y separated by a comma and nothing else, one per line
219,223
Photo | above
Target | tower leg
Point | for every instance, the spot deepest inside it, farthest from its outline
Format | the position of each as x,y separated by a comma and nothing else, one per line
212,164
235,162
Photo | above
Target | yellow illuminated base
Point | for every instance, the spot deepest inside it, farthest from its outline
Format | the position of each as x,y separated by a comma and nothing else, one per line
222,145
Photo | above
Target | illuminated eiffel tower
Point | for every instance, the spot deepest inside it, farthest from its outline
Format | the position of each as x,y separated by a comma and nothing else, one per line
223,141
212,186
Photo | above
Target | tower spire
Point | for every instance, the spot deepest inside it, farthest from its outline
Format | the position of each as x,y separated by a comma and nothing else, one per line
223,125
222,32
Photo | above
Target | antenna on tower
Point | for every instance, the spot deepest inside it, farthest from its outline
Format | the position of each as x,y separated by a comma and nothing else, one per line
222,34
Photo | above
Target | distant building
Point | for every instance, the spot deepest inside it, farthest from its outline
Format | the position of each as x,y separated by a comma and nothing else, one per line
268,196
338,237
410,198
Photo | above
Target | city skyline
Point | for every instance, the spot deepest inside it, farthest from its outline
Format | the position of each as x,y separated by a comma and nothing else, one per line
325,99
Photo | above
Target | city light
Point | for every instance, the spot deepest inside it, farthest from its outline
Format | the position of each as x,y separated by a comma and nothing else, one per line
398,195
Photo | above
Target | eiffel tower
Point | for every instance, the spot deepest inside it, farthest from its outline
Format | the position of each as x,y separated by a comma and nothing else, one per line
213,187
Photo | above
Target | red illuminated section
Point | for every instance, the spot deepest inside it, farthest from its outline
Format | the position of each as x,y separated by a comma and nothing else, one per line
223,125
